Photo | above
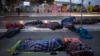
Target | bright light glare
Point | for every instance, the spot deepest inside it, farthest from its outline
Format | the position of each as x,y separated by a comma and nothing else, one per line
45,21
26,3
21,22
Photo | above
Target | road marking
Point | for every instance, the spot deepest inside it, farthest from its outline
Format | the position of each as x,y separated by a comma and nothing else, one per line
35,29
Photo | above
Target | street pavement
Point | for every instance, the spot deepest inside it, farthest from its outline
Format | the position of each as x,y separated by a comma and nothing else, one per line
52,14
46,34
91,27
8,43
44,15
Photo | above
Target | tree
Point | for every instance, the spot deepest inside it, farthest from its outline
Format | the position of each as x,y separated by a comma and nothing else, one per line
42,1
50,1
11,2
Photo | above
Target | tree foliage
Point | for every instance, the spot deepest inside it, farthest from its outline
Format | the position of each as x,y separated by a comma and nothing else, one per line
10,2
42,1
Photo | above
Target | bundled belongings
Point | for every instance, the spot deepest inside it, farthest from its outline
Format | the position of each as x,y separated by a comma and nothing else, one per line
40,45
83,33
74,47
1,35
36,22
68,23
54,25
10,32
70,26
15,25
68,19
87,21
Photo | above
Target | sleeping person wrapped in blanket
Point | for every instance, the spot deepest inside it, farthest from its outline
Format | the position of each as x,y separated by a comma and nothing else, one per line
40,45
72,46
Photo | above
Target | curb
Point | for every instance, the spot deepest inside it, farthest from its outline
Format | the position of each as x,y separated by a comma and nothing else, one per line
49,15
12,16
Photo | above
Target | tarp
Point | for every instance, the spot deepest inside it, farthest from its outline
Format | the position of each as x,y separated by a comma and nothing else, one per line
83,33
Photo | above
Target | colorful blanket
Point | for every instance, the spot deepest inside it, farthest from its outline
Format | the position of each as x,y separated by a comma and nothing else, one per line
39,45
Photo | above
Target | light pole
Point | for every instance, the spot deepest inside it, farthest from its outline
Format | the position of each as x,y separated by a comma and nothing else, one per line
81,12
70,6
18,8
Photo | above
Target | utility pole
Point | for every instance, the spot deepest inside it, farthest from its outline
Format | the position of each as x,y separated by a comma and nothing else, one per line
70,6
18,9
81,13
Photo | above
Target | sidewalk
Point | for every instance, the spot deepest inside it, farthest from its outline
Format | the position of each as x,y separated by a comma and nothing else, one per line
7,15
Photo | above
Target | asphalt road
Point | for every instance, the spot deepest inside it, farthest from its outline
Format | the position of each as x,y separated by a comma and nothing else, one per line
93,27
7,43
17,19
